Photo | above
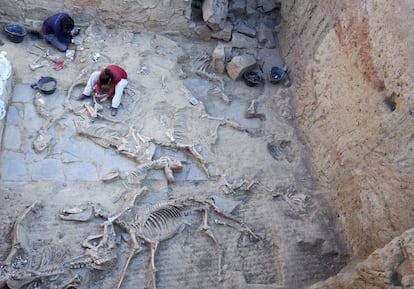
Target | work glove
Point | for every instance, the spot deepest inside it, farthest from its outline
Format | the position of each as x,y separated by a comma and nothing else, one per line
75,31
76,41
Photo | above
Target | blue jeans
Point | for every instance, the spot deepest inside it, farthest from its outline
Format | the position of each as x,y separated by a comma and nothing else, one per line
55,42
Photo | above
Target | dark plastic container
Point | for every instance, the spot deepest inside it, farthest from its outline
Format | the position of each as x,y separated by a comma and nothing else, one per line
15,32
277,74
252,78
47,84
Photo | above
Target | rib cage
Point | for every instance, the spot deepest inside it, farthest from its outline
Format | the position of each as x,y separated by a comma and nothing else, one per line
162,223
155,222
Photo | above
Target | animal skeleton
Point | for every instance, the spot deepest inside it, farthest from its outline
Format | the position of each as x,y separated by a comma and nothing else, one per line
167,164
132,144
201,64
152,224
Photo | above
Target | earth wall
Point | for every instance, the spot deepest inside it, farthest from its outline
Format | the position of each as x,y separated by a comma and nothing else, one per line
352,69
167,16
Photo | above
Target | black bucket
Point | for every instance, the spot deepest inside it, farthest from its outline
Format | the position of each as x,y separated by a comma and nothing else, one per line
15,32
47,84
252,78
277,74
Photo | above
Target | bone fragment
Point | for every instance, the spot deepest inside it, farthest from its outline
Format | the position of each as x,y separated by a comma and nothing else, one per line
33,67
42,141
81,215
111,176
251,110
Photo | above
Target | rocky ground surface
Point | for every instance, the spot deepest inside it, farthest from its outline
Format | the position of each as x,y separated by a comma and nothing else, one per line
237,144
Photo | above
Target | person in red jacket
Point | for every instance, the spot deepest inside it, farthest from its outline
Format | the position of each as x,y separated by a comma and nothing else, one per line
109,83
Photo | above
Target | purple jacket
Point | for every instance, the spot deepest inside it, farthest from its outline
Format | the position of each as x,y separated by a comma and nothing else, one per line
52,26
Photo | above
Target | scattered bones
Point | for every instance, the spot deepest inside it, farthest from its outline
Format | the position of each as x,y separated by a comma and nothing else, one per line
42,140
40,106
100,251
27,267
237,185
44,54
299,202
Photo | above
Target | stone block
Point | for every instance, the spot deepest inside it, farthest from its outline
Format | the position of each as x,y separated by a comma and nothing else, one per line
268,5
195,173
15,115
13,167
12,138
251,8
203,31
266,37
48,170
23,93
246,30
224,34
81,172
215,13
239,40
218,59
240,64
237,7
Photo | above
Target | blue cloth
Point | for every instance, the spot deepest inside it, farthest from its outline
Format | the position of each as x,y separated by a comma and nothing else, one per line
51,26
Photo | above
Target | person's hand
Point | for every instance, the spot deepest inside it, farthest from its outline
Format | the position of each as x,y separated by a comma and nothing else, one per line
75,31
76,41
101,97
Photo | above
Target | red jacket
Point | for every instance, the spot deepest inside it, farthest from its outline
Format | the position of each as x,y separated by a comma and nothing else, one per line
118,73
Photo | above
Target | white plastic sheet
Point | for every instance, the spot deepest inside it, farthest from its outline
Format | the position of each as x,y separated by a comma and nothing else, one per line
5,72
2,109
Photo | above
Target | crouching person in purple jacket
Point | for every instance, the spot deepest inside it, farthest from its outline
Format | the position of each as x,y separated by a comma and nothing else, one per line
59,30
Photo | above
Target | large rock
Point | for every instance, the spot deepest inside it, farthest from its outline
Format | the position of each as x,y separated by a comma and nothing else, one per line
203,31
218,59
215,13
388,267
238,7
265,36
225,33
268,5
240,64
239,40
243,28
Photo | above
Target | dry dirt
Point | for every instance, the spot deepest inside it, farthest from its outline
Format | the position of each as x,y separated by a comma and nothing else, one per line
255,166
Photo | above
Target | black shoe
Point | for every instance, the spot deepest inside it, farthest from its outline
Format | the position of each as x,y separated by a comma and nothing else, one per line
82,97
114,111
